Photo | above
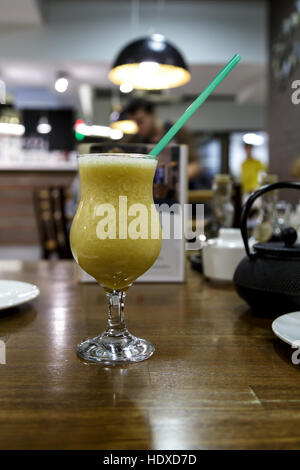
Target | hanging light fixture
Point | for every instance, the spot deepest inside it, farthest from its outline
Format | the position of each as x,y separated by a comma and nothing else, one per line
150,63
43,126
126,87
121,122
61,83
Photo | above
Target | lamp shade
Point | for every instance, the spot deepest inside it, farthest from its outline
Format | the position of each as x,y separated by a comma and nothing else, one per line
123,123
150,63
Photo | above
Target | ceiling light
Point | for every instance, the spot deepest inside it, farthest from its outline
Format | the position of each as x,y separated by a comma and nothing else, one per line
126,87
83,129
148,67
116,134
95,131
127,126
253,139
43,126
121,122
8,128
61,84
150,63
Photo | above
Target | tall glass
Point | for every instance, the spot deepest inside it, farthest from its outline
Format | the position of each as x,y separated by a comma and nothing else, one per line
115,237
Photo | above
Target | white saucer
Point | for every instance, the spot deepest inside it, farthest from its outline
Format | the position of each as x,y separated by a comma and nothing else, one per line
287,327
13,293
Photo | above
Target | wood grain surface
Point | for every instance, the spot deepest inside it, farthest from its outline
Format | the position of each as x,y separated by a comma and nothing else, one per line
218,379
17,217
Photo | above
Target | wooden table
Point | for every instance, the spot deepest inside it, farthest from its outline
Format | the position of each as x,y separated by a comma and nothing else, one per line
218,380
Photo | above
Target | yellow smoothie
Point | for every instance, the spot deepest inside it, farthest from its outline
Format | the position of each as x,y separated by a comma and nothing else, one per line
114,262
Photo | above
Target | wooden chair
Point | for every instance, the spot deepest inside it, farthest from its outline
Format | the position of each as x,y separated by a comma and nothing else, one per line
49,205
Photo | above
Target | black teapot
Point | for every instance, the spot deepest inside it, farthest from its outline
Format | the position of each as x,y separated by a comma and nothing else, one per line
268,278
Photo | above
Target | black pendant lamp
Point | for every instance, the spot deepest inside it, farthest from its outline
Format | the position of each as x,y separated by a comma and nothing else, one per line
150,63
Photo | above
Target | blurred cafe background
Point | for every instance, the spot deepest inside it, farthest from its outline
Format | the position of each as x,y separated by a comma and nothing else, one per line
64,85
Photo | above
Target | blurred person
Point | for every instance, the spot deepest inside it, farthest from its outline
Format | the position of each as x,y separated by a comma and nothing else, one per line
251,169
151,130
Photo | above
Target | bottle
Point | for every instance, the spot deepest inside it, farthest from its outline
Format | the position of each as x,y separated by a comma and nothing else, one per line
267,228
223,210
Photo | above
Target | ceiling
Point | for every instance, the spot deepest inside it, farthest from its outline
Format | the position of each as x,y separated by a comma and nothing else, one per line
40,38
20,12
247,82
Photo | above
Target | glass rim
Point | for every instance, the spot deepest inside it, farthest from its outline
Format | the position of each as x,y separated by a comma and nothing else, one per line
128,155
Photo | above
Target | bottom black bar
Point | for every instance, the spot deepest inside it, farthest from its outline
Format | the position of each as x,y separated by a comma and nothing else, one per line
135,459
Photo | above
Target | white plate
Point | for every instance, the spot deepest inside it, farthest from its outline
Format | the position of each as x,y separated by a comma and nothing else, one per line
13,293
287,327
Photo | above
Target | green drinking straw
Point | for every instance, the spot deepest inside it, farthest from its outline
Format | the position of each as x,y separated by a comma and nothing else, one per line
194,106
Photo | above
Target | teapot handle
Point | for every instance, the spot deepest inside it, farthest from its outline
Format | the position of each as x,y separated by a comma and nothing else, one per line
249,203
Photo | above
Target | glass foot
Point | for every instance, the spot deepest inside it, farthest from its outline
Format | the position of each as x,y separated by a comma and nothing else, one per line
115,349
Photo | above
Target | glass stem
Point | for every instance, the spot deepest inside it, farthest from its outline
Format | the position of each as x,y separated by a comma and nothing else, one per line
116,324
